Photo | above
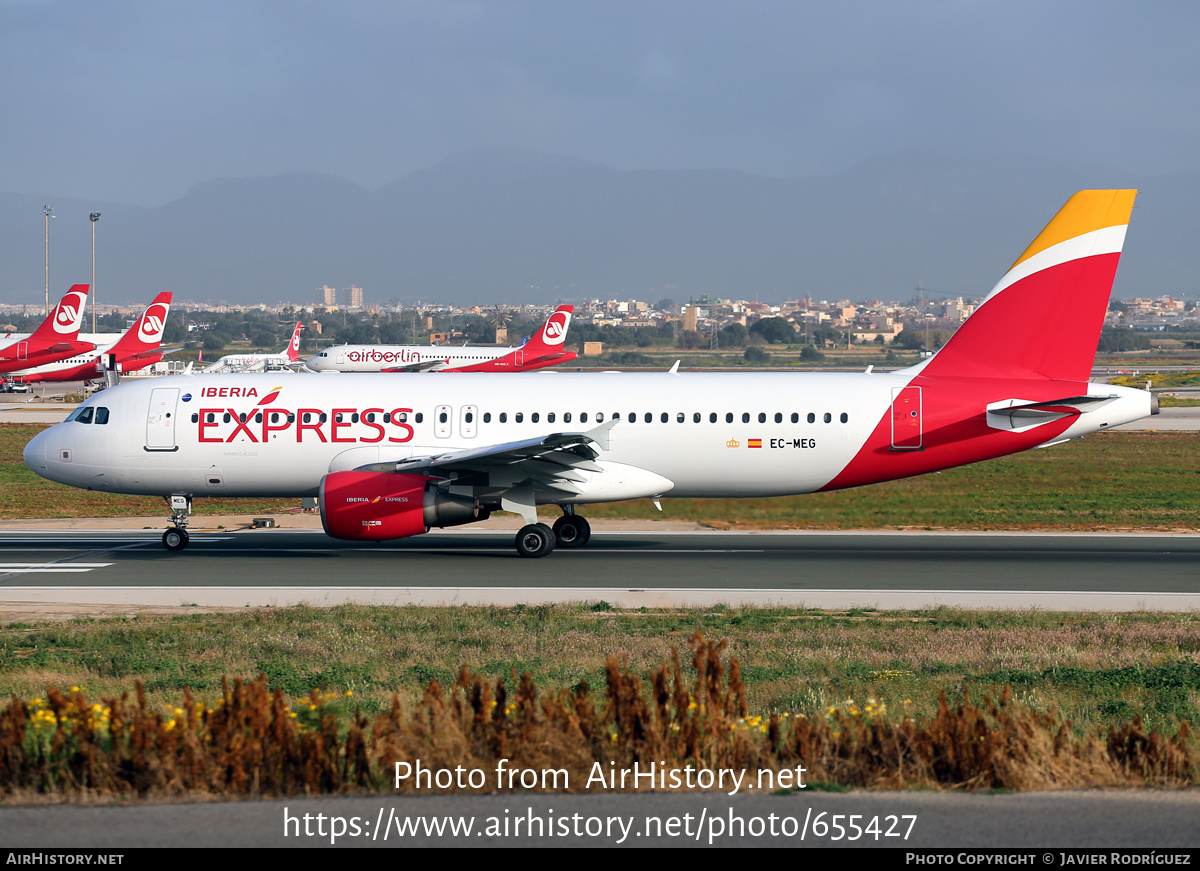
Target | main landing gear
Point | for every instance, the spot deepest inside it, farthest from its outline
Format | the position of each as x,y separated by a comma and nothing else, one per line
538,539
176,538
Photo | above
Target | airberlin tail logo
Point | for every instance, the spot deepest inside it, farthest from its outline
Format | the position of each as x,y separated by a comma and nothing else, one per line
151,325
69,313
270,397
555,331
294,347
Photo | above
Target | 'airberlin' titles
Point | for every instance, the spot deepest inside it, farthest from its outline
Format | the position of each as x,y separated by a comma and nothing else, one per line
339,426
376,356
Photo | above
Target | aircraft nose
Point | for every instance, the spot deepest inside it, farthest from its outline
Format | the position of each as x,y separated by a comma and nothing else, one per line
35,452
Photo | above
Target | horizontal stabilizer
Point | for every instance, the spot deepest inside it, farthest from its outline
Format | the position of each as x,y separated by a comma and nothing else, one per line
1021,414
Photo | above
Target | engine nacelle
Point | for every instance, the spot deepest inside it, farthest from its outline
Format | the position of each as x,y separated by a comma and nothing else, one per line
377,506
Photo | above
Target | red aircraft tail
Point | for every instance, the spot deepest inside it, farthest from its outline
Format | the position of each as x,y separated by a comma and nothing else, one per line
62,325
293,348
142,342
1044,317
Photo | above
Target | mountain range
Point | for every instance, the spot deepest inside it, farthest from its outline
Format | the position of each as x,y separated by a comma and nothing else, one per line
513,226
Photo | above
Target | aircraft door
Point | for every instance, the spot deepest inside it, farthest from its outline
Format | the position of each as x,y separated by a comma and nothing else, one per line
22,350
468,425
519,358
906,419
442,425
160,419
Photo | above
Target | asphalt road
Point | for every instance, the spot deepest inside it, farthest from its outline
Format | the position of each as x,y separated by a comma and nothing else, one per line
655,568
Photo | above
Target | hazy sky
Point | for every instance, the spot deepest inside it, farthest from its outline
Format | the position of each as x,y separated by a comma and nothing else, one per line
137,101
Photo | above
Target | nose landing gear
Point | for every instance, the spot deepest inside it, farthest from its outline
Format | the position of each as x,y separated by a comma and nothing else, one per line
176,538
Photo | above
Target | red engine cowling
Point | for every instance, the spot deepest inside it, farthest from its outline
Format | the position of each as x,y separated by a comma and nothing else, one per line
376,506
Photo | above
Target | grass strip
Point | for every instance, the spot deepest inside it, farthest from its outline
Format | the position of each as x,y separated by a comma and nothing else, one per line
685,723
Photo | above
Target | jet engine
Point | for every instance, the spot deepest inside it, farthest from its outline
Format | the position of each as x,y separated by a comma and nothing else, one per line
376,506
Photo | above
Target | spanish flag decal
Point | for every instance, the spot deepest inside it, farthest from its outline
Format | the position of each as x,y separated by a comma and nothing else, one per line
754,443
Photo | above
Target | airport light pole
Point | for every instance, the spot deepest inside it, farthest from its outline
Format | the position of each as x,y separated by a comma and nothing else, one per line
95,216
49,212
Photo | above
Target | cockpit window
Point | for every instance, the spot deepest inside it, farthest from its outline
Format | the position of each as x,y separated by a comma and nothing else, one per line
101,415
85,414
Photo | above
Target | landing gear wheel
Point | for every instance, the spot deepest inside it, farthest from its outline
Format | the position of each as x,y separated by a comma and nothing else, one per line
175,539
572,531
535,540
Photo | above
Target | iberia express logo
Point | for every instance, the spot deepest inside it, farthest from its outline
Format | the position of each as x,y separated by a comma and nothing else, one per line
270,397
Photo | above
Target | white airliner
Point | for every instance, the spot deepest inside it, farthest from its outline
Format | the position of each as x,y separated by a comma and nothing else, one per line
259,362
390,458
544,349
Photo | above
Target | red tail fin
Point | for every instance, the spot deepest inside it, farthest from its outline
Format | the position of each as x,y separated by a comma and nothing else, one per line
145,336
293,348
1044,317
550,338
63,323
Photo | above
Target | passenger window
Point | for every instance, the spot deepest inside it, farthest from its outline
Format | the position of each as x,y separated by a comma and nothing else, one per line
729,417
85,416
323,418
291,418
828,417
745,417
632,417
242,417
519,417
550,417
210,417
354,417
762,417
649,417
226,418
441,417
566,417
599,417
680,418
778,417
369,417
795,417
534,417
696,417
195,417
712,417
274,417
504,417
402,417
665,417
470,418
812,418
258,417
845,418
420,417
101,415
487,417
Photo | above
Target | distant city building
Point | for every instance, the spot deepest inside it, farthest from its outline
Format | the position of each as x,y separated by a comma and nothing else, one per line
326,295
354,296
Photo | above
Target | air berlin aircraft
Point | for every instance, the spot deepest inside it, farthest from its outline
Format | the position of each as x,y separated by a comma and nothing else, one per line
138,347
56,339
390,458
259,362
544,349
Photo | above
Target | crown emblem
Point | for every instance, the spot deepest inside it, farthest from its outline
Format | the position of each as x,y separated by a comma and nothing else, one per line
733,443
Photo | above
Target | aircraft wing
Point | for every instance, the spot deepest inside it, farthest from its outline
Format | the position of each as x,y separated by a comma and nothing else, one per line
549,461
423,366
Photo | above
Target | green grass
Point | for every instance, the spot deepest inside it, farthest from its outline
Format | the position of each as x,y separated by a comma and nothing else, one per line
1134,480
1095,669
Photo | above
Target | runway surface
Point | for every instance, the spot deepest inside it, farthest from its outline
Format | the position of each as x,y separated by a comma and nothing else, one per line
627,569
